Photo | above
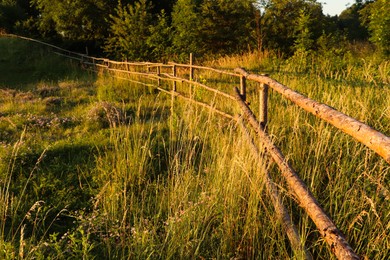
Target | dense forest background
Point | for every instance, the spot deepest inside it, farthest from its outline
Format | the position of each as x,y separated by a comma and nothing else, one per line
170,29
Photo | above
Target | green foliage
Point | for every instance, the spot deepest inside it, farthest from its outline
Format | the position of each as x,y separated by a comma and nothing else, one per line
74,20
212,27
138,34
376,16
332,45
226,26
289,22
350,23
165,30
10,13
26,68
303,42
160,39
186,21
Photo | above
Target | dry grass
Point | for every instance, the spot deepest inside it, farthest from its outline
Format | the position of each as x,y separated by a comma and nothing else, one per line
185,184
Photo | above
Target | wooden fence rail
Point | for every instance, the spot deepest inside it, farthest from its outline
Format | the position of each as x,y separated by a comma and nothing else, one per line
373,139
276,199
327,228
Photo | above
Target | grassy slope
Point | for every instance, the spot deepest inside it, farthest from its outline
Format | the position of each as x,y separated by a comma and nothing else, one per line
180,186
24,64
43,147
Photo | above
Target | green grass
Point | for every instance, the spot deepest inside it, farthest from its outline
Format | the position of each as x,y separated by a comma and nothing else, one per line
24,64
96,167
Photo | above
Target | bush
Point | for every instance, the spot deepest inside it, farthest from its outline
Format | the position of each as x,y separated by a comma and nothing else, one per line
104,115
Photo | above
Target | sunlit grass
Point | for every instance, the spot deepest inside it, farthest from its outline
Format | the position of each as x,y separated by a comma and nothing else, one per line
115,172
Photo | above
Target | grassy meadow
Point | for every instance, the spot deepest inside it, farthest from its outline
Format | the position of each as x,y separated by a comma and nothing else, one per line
93,167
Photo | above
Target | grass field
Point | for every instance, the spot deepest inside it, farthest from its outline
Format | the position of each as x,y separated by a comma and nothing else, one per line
93,167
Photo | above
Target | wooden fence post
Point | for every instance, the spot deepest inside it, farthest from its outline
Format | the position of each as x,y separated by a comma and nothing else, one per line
174,75
263,103
173,92
158,75
191,69
243,87
191,75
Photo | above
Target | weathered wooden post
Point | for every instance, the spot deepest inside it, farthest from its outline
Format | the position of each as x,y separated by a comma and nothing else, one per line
173,92
174,75
191,73
243,87
191,69
127,66
158,76
263,104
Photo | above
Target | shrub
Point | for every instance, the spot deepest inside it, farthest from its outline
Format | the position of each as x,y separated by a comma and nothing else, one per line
104,115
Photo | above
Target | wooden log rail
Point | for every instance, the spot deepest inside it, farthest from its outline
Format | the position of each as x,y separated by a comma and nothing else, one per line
212,108
282,214
366,135
327,228
363,133
205,68
373,139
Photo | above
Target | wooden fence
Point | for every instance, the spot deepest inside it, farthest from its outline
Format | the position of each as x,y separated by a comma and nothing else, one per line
155,74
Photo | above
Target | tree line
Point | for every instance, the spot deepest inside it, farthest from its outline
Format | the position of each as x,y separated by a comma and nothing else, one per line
161,29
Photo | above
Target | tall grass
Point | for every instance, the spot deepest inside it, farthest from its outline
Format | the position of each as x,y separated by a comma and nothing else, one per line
331,163
205,204
153,182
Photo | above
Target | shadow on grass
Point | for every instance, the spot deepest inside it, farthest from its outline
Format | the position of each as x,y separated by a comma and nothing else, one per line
24,64
62,177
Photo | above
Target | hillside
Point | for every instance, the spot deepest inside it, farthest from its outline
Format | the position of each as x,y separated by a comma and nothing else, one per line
97,167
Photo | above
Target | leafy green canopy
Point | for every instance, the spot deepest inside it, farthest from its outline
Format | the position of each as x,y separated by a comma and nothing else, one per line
376,16
349,23
212,27
135,35
74,19
156,30
291,25
10,13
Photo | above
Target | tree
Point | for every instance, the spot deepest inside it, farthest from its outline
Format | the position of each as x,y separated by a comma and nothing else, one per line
186,21
303,42
287,23
226,25
350,23
74,19
10,13
160,5
160,38
376,16
212,27
129,31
